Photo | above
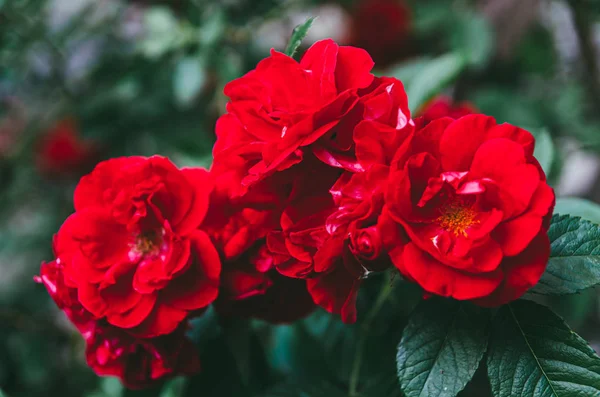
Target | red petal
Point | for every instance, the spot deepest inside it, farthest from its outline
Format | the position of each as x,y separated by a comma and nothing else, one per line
353,68
515,235
521,272
90,299
202,184
515,134
514,181
90,192
461,139
199,286
138,314
440,279
162,320
321,60
238,284
121,297
336,292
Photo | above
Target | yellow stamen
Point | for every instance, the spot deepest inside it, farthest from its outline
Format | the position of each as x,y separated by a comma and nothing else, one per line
147,243
457,218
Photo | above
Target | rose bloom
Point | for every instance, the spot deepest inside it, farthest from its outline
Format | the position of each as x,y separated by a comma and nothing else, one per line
284,109
444,106
250,285
292,130
476,207
133,249
382,27
61,151
111,351
333,240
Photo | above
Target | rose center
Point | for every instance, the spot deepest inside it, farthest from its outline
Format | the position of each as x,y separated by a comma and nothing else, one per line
457,218
148,243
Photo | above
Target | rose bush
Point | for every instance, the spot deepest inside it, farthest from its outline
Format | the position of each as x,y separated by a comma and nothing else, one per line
320,177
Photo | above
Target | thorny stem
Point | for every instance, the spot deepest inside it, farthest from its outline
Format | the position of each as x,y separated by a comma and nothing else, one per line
365,329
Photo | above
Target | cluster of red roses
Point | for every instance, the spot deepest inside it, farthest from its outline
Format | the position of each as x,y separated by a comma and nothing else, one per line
320,176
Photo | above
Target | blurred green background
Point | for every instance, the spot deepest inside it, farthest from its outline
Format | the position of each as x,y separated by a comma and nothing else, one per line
86,80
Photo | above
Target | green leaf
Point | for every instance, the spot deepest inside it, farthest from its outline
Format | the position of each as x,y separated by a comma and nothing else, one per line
472,37
575,206
164,32
298,35
213,27
574,263
433,77
407,70
188,80
545,151
533,353
441,348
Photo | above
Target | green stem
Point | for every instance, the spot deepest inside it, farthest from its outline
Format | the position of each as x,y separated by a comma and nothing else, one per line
365,329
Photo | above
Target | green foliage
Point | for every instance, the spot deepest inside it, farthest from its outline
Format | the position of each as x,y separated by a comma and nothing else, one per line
298,35
533,353
425,79
473,38
441,348
189,78
574,263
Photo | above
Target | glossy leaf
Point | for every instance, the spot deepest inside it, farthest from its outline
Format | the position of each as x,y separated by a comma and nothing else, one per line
533,353
574,262
433,77
441,348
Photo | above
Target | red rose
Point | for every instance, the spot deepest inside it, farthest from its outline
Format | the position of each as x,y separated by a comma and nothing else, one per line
443,106
62,151
132,248
283,108
112,351
476,207
382,28
334,242
281,148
